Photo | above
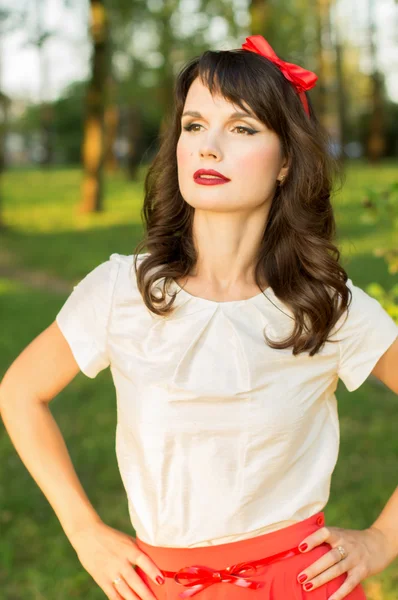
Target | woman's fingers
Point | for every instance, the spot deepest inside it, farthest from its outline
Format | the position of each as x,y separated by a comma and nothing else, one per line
132,581
107,554
130,590
110,592
146,564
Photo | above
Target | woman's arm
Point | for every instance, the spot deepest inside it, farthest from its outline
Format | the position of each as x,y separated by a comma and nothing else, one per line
387,523
39,443
386,368
37,375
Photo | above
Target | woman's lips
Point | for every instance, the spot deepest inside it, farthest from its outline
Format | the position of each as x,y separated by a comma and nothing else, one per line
210,180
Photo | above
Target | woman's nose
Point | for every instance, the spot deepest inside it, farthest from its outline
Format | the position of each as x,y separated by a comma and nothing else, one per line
209,150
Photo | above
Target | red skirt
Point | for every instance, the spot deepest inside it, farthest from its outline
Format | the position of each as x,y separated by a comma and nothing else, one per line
219,572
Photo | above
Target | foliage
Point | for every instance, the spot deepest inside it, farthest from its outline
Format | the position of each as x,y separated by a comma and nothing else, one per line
381,207
361,122
68,123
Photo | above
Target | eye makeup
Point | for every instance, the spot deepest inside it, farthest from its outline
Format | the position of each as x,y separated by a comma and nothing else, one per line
247,129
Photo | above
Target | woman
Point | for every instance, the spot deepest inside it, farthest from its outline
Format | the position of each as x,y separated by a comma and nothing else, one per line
225,340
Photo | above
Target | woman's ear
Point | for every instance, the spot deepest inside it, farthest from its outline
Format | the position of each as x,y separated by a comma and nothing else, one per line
285,167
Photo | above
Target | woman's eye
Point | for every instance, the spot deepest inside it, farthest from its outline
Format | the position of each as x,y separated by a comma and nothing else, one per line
190,127
249,131
246,129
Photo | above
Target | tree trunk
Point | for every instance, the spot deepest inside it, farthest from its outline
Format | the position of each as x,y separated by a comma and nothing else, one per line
134,134
342,102
376,141
3,120
46,119
93,141
112,116
46,113
165,88
320,91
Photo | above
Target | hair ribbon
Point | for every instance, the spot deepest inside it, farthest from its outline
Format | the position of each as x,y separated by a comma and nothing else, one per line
301,79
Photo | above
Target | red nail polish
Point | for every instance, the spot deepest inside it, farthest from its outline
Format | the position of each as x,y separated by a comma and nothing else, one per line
303,547
308,586
302,578
160,580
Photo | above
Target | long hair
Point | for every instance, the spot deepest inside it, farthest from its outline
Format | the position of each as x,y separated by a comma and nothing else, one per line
297,256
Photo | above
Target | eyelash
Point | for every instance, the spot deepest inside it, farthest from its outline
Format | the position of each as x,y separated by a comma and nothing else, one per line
247,129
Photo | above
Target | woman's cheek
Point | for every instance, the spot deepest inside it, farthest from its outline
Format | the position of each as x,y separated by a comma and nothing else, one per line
260,165
182,154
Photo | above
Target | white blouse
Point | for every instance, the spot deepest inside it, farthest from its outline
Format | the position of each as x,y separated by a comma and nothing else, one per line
219,437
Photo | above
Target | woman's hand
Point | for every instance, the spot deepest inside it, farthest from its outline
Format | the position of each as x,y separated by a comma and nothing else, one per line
107,553
367,554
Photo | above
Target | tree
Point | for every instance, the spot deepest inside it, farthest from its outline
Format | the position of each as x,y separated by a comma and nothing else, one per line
93,142
9,21
342,100
322,20
376,141
38,39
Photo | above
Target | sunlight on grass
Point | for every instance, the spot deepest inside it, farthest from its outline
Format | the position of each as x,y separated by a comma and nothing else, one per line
369,243
53,199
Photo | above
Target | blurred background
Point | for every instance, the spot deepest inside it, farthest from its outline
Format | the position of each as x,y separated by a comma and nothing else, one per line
98,76
85,90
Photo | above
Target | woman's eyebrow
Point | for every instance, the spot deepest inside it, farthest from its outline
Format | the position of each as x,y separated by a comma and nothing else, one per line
234,115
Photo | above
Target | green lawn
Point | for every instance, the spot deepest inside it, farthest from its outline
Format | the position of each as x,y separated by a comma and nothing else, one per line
36,559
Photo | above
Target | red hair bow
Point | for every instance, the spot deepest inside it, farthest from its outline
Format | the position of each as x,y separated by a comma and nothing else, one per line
302,79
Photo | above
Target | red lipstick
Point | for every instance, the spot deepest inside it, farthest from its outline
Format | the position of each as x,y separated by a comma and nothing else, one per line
216,178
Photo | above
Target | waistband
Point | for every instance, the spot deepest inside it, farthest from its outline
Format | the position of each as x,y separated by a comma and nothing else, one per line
238,563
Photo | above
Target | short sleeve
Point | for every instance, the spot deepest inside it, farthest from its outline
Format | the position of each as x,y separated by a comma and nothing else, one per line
365,335
83,318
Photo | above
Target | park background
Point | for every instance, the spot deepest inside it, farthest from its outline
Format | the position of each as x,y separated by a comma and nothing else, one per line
85,91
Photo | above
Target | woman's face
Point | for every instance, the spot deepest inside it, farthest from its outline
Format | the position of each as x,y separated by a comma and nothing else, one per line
240,148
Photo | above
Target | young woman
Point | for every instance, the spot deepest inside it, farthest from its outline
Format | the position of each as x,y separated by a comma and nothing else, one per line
226,340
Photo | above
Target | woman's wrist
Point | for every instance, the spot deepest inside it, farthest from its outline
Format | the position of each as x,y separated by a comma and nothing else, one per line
389,540
387,524
77,523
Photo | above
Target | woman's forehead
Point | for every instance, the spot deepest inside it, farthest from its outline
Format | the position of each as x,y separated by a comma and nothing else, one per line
199,97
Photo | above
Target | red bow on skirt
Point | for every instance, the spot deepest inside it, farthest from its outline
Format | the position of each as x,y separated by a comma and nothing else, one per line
199,577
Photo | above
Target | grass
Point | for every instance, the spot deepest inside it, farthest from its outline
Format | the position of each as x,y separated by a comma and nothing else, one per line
45,232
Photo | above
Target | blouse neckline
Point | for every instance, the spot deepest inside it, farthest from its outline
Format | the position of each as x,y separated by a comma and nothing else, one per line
209,302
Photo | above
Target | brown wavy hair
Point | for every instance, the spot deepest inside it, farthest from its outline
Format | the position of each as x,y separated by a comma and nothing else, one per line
297,256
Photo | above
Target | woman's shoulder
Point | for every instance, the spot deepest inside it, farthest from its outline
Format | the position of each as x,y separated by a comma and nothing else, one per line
126,283
127,260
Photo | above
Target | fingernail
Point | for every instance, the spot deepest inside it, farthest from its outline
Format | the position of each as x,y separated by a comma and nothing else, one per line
303,547
302,578
308,586
159,580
